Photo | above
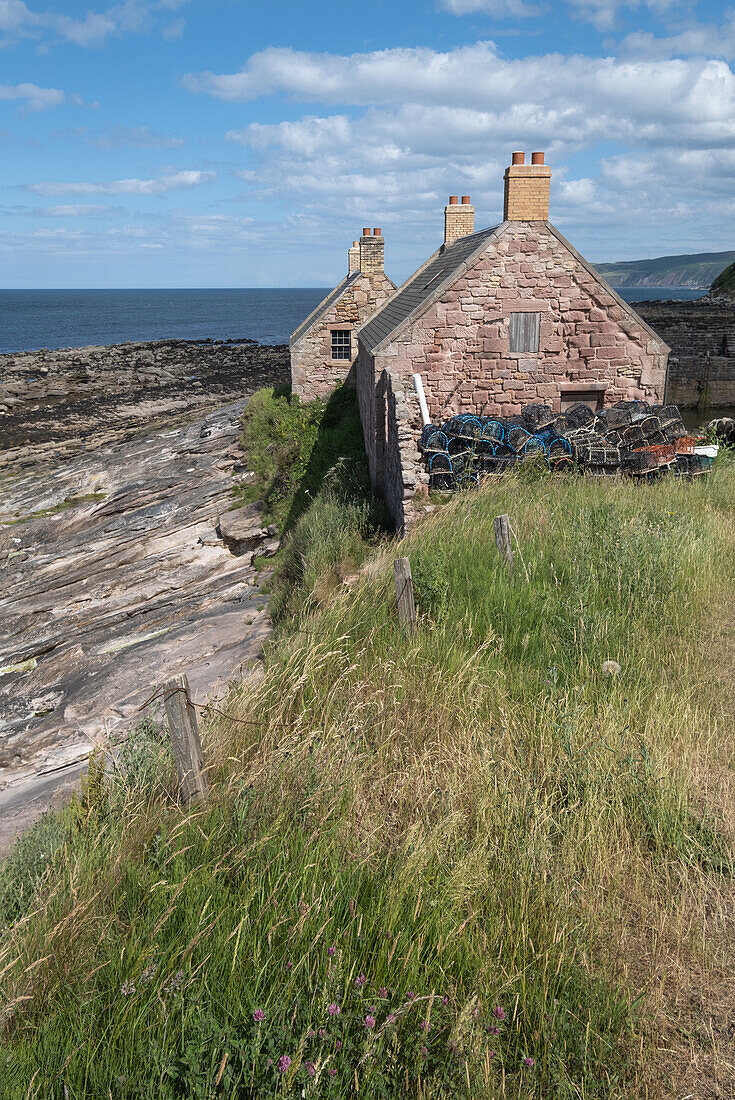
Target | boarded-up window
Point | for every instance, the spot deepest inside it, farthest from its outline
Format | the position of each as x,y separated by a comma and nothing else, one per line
524,331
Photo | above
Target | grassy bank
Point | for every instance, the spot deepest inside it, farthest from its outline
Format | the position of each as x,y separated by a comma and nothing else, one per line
311,476
457,862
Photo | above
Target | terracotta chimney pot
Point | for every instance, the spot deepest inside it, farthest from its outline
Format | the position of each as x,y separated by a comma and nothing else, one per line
519,158
537,158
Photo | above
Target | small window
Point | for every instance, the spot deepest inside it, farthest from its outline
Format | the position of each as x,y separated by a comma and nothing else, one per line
341,343
524,332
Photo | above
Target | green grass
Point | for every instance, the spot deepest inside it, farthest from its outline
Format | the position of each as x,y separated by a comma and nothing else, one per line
312,477
468,811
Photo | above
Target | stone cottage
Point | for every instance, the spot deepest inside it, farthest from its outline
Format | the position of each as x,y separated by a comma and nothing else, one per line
493,321
324,348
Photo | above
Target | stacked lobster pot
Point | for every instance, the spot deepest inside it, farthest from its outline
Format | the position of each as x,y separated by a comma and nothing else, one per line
631,438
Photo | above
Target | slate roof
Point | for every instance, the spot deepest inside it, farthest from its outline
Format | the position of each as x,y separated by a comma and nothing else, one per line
323,306
415,292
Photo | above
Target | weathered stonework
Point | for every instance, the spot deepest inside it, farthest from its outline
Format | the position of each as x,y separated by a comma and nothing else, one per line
590,340
314,373
701,335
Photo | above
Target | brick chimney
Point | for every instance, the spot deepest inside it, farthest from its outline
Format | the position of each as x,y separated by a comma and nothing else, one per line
372,252
527,189
353,258
459,219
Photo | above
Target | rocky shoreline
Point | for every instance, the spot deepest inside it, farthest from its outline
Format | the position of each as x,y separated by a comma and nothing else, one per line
121,561
60,402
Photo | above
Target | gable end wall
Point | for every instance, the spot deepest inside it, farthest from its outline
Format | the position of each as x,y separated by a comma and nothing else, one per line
313,371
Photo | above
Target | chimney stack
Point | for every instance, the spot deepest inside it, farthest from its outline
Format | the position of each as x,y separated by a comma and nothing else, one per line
459,219
372,252
527,189
353,258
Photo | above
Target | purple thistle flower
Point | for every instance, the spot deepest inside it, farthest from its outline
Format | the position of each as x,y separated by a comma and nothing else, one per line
445,1002
425,1025
360,980
410,995
311,1034
369,1022
284,1062
322,1033
338,1045
310,1068
334,1010
383,992
258,1015
493,1031
331,951
528,1062
391,1018
499,1013
491,1054
333,1072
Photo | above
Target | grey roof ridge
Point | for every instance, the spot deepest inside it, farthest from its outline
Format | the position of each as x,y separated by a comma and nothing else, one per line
488,234
306,323
626,306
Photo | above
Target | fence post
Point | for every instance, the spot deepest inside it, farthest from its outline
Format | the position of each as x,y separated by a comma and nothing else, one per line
404,591
187,748
503,541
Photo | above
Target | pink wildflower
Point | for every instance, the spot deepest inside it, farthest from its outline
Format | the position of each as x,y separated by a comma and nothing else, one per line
331,951
499,1013
425,1025
322,1033
284,1062
360,980
528,1062
310,1068
369,1022
333,1072
258,1015
334,1010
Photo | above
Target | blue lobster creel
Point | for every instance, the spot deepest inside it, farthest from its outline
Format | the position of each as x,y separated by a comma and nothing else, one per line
557,445
516,438
440,463
436,440
426,432
492,430
534,445
457,444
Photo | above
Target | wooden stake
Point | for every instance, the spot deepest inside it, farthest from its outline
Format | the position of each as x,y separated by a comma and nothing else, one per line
404,592
503,540
187,748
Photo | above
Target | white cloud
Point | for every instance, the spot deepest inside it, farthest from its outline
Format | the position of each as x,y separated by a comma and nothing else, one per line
695,39
500,9
94,28
136,137
161,185
33,97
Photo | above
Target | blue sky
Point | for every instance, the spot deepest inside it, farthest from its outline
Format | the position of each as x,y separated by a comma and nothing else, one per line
207,143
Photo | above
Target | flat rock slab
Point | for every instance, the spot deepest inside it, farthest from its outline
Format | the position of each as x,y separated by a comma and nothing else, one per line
113,579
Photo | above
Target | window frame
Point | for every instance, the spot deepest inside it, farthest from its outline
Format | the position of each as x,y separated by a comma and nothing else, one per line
346,345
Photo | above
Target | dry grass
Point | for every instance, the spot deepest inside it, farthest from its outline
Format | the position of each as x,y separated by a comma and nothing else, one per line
472,808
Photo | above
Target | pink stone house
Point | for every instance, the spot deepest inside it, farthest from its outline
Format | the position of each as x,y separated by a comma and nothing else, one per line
493,321
324,348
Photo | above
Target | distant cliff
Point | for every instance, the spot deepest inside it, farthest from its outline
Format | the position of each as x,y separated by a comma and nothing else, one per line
724,284
694,271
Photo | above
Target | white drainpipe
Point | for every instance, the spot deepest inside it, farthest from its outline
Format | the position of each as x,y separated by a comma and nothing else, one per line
418,385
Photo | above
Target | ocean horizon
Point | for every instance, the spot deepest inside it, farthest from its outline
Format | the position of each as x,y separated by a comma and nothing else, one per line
34,319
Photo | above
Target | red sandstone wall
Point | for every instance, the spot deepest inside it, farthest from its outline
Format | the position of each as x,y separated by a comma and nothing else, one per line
460,345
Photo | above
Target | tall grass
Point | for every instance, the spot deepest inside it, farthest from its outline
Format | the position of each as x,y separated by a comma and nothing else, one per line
467,837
